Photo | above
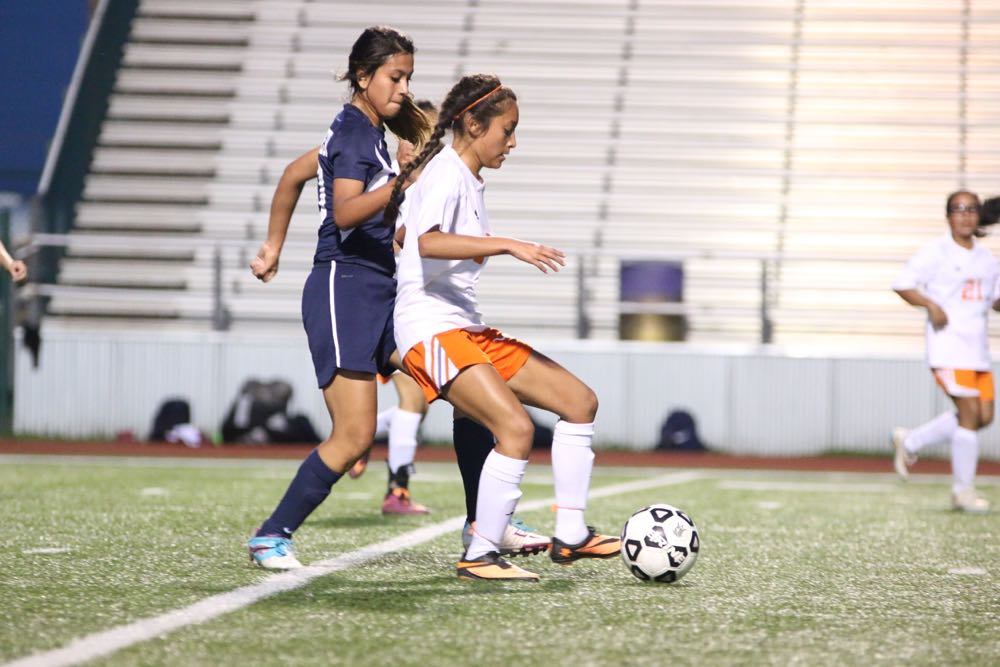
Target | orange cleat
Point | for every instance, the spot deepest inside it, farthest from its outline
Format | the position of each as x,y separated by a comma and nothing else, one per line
592,546
490,567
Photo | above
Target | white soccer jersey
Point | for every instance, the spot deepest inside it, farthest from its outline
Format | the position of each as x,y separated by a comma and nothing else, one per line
965,284
436,295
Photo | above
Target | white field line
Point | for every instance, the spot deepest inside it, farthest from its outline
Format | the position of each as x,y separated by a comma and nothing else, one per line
808,487
105,643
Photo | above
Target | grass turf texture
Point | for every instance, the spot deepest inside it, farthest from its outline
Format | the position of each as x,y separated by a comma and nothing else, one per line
794,568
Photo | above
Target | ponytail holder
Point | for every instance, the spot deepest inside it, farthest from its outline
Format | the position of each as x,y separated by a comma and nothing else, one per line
459,114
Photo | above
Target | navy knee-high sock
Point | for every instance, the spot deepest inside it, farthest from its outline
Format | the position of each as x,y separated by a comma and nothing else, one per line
473,443
308,489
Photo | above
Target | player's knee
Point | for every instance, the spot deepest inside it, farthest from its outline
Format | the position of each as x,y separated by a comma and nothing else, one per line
355,436
514,437
584,408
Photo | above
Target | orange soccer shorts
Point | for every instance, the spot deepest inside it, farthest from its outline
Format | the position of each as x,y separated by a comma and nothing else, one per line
436,362
959,383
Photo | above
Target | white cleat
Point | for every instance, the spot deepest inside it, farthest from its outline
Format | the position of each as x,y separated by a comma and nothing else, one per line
273,553
966,500
518,540
902,459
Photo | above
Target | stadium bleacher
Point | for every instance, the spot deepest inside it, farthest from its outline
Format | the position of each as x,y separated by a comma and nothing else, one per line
816,141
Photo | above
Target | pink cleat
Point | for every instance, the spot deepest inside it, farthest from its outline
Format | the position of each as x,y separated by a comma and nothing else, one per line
398,501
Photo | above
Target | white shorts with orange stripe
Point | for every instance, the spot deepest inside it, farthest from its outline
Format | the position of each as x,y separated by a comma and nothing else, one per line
437,361
965,383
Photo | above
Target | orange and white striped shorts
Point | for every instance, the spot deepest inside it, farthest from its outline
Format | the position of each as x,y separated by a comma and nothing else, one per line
437,361
964,383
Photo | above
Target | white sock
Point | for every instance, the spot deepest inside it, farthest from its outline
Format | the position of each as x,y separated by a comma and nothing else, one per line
403,438
964,455
939,429
383,420
499,491
572,463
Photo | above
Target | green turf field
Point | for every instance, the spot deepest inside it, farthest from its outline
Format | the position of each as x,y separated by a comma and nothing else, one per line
795,568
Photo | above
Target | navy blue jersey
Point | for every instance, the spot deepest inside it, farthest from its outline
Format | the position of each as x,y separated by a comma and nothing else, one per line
354,149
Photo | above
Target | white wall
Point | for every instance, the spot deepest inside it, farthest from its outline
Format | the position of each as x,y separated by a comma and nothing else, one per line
746,400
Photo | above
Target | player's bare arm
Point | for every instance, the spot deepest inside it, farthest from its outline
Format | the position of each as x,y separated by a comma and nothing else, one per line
17,269
353,206
286,195
439,245
936,314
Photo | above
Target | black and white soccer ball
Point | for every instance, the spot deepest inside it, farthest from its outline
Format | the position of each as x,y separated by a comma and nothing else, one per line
660,543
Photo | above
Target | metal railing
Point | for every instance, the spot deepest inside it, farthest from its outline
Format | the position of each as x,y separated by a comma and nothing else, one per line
229,257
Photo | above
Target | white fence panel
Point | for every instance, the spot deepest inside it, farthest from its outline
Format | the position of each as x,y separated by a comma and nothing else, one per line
94,384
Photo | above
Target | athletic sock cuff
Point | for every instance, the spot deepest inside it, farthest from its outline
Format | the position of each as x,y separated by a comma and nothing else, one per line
566,433
505,468
315,465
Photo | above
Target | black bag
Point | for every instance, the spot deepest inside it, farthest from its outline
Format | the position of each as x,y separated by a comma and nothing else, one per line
259,416
291,429
679,432
172,412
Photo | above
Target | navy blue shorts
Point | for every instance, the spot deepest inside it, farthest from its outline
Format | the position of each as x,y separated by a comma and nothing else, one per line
347,314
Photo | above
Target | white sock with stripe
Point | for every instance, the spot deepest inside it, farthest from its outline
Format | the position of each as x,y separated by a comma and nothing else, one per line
572,463
939,429
403,438
499,491
964,456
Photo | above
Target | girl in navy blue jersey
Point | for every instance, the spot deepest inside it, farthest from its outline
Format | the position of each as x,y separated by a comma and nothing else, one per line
347,300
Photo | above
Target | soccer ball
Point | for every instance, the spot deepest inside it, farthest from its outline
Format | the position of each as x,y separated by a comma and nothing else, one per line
660,543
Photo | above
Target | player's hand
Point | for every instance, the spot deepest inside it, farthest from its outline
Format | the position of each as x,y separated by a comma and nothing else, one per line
265,265
18,271
540,256
405,153
939,319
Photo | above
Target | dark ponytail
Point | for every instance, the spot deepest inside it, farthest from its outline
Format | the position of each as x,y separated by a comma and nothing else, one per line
372,50
989,214
478,96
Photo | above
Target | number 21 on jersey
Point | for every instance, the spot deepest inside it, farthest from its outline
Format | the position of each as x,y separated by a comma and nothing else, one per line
972,290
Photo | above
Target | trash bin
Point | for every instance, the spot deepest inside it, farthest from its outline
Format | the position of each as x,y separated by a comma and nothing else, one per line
644,285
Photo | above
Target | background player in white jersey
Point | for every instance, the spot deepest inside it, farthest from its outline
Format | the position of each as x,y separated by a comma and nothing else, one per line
956,280
452,354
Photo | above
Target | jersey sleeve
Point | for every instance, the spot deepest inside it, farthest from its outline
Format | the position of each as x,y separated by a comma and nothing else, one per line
918,270
437,207
351,155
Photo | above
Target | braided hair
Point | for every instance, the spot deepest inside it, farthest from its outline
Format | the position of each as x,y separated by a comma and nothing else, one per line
372,50
480,97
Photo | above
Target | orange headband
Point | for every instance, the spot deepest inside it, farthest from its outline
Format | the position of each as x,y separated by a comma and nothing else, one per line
459,114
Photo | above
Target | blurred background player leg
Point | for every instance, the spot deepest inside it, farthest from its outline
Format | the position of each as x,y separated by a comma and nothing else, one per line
974,413
908,443
404,422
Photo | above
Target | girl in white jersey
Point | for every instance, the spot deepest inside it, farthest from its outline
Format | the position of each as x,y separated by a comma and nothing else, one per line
452,354
956,280
401,422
